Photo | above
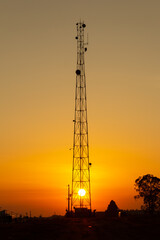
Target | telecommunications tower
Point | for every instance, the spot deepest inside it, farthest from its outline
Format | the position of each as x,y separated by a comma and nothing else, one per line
81,191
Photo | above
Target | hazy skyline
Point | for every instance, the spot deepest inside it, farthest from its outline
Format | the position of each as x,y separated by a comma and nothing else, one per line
38,63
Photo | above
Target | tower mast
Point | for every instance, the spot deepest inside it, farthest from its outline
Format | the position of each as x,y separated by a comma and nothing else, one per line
81,192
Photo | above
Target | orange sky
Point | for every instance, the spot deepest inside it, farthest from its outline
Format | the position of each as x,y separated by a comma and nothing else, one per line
38,61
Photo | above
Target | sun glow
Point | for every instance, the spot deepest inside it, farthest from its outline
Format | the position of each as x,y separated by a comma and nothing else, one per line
81,192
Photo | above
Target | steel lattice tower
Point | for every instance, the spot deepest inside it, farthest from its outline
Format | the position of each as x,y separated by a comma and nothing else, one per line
81,192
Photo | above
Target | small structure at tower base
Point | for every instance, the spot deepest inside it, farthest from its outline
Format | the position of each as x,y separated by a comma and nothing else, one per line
83,212
80,213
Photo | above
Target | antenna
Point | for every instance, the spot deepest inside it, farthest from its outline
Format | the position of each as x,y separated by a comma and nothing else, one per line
87,39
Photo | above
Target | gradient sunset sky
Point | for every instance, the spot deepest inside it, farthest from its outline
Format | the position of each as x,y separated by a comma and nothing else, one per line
37,85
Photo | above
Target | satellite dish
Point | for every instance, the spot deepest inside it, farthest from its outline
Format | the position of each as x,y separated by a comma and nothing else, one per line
78,72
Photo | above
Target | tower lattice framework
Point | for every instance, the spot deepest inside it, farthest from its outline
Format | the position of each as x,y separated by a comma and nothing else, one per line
81,164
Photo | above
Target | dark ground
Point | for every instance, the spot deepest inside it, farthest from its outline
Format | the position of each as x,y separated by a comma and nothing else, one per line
88,228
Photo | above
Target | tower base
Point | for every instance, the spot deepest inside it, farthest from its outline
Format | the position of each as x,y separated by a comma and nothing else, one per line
80,213
83,212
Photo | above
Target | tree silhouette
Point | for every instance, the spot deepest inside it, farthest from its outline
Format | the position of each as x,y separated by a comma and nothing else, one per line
112,209
148,187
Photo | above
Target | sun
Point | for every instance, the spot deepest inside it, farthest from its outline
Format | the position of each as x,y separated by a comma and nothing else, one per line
81,192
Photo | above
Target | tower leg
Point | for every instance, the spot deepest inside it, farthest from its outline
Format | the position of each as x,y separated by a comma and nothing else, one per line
69,198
